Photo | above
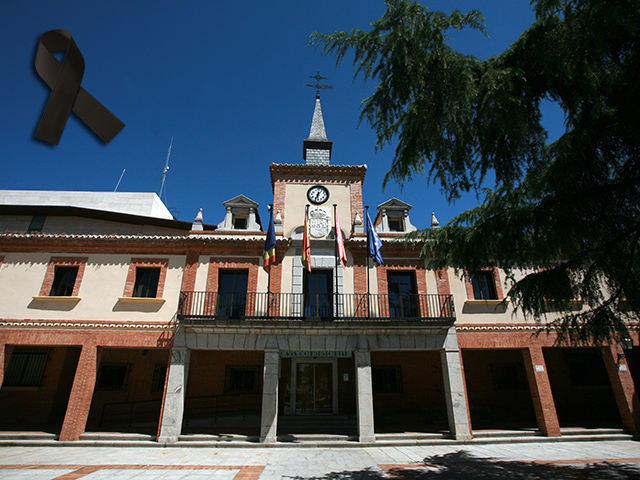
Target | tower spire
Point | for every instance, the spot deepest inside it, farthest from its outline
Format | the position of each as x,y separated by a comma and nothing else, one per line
316,150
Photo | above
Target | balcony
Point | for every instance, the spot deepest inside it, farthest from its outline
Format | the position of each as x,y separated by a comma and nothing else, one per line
206,308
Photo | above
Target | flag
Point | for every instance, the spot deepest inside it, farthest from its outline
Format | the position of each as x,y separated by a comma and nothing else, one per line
270,245
342,254
374,243
306,243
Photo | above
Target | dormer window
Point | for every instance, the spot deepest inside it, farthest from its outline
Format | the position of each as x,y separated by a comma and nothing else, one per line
396,224
241,214
239,223
393,217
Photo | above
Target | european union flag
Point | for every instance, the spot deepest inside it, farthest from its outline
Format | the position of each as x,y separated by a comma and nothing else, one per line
374,243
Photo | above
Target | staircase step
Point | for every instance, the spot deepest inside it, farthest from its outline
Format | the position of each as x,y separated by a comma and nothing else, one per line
210,438
591,431
506,433
116,437
388,437
28,436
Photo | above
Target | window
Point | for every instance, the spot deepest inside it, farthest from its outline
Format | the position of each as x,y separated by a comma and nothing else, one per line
159,375
146,278
242,379
403,301
508,376
113,376
63,277
395,224
37,223
64,280
26,368
146,282
239,223
232,293
318,293
387,379
484,287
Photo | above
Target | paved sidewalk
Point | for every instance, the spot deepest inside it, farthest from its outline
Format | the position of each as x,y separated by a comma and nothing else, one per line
561,460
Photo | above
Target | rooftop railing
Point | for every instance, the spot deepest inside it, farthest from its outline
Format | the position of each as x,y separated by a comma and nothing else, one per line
207,307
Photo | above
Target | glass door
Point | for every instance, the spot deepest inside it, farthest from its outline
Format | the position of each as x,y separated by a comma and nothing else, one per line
314,388
318,294
232,293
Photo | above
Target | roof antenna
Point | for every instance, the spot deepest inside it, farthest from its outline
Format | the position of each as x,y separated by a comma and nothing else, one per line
118,184
166,169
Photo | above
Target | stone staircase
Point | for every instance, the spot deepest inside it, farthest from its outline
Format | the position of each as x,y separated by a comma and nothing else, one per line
316,439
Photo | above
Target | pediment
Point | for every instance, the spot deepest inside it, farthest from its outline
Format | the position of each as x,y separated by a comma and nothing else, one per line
240,202
394,204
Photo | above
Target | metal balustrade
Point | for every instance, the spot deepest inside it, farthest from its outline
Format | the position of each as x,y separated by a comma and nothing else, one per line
205,307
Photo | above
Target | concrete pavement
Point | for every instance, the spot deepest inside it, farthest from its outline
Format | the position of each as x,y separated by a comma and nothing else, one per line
561,460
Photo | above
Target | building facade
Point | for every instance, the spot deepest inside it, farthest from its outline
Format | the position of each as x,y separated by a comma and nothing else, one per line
118,318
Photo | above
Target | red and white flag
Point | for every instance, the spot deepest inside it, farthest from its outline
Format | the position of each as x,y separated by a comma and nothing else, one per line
342,254
306,243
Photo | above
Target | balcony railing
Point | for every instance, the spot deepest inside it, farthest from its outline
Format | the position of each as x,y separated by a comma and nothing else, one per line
205,307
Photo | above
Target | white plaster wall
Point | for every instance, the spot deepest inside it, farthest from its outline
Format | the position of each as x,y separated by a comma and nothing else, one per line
296,199
287,270
22,275
478,313
201,274
431,280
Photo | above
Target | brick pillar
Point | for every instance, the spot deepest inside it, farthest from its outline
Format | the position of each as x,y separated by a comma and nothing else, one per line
541,394
174,396
364,397
3,365
269,418
623,388
75,419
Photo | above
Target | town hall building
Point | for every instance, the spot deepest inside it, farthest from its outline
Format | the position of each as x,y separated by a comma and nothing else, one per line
118,321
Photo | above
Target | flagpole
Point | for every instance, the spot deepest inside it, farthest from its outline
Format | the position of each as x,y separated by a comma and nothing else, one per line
367,265
335,227
269,209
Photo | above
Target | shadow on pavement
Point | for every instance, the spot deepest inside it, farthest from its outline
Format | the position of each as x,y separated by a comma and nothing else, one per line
463,466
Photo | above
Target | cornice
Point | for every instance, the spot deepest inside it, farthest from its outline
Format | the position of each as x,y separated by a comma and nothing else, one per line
86,325
304,172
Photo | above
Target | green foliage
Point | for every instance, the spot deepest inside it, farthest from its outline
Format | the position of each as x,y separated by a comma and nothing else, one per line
567,213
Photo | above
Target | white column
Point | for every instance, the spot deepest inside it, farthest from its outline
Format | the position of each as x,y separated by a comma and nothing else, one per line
454,388
269,419
364,393
175,394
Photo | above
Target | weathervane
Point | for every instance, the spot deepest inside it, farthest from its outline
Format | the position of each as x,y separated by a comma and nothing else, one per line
317,77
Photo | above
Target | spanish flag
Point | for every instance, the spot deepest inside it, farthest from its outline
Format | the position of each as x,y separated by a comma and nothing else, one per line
306,242
270,245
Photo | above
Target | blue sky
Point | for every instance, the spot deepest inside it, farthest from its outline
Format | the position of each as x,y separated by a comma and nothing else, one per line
225,79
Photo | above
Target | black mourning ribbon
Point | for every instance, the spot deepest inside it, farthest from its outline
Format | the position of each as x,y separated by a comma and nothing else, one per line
66,93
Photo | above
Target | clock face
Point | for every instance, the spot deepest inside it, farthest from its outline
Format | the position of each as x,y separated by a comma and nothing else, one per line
318,194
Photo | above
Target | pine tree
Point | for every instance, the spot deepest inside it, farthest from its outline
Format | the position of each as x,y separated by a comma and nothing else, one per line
566,213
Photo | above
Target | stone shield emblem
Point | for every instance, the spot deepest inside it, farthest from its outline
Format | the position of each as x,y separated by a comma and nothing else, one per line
319,222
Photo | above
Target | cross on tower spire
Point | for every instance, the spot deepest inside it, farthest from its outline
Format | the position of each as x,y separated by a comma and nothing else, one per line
318,86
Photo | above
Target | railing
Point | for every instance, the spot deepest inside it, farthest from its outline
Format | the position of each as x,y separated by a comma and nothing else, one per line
213,407
130,413
201,307
139,412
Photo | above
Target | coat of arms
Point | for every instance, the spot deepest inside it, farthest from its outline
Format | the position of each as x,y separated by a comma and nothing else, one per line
319,221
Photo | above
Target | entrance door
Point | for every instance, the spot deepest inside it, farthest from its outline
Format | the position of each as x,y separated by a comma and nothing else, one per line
314,388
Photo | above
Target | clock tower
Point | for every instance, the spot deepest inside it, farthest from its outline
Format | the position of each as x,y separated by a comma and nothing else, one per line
319,184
